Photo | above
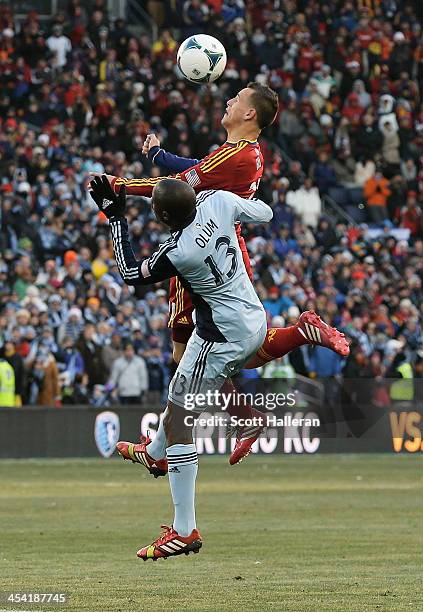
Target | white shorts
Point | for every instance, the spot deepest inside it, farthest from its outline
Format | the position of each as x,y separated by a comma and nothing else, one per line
206,365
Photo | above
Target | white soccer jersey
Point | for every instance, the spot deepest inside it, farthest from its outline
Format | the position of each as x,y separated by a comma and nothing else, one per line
207,259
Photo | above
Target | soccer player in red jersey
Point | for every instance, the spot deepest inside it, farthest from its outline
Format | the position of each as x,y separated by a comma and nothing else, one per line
236,166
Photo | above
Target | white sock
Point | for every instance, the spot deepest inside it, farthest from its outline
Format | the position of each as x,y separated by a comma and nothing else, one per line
183,467
157,447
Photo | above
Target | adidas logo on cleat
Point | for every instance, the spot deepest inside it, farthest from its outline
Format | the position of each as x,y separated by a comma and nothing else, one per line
171,544
312,333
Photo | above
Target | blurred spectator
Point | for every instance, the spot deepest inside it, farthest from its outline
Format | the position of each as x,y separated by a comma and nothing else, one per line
44,386
369,138
403,389
194,15
111,351
7,384
92,356
60,46
73,326
323,173
306,203
71,363
129,376
16,361
323,365
390,148
411,216
79,393
376,192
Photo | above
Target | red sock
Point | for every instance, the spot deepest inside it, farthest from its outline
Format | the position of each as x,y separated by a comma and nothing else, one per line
279,341
238,408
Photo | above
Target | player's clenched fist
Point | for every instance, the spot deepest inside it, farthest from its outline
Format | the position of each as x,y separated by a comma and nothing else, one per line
149,142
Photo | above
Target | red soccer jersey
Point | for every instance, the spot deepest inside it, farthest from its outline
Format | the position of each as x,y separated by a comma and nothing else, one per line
364,37
236,167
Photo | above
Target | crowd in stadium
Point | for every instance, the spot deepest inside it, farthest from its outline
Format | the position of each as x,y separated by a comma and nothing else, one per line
79,94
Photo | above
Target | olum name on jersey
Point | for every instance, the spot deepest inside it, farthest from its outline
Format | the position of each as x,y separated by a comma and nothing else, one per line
206,233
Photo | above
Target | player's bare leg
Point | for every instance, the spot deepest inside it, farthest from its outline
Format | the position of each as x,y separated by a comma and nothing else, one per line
182,537
178,351
157,447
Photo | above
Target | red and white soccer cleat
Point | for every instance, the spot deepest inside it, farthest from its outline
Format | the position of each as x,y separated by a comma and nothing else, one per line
171,544
137,453
246,436
317,332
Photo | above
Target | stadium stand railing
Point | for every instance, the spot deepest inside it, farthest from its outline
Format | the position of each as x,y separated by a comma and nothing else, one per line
333,209
137,17
310,392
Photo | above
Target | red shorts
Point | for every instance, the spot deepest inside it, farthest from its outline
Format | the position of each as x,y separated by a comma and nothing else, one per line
180,304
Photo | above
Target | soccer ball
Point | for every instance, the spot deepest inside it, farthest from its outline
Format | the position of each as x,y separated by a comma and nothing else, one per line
201,58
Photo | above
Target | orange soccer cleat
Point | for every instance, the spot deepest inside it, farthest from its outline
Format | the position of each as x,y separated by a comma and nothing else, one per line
170,544
137,453
317,332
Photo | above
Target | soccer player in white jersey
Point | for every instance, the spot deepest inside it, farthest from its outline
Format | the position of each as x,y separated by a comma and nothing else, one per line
203,252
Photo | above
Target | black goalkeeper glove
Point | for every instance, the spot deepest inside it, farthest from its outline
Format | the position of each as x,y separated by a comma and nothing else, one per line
111,204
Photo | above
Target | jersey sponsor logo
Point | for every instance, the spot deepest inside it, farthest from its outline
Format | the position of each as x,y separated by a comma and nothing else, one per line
106,432
206,233
192,178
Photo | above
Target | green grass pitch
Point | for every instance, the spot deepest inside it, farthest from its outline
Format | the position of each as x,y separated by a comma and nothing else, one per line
293,533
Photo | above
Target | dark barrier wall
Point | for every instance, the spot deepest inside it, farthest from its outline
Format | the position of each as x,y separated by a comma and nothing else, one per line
62,432
80,431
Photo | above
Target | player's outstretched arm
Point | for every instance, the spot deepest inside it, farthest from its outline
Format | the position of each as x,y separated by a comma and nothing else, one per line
135,187
249,211
169,162
134,272
152,270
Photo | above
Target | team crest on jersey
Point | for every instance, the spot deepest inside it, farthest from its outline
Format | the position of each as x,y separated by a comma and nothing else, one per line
106,432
